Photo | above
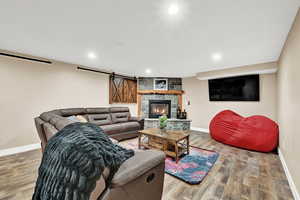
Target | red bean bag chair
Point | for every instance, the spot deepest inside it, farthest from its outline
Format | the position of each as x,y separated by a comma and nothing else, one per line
257,133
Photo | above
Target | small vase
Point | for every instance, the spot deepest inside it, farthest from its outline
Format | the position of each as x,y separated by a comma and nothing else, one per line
162,129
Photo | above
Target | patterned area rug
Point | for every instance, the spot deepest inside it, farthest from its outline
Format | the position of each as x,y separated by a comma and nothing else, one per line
190,168
194,167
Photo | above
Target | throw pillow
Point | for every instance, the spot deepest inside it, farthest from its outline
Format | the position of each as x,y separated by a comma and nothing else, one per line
73,118
81,118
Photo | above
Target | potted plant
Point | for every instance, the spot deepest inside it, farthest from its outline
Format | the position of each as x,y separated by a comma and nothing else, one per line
163,121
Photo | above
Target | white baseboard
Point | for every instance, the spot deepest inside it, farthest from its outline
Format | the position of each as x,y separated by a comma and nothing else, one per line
203,130
21,149
289,176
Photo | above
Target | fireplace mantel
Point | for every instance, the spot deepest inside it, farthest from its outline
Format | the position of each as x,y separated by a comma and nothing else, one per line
175,92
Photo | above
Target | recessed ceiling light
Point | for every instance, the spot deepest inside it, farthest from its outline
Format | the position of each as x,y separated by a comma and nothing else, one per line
216,57
173,9
92,55
148,71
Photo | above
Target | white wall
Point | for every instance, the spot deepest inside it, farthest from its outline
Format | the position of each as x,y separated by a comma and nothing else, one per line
30,88
289,102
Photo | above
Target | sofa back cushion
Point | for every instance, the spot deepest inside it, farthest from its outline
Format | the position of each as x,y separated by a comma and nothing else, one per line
72,111
118,109
100,119
47,116
120,117
50,130
97,110
60,122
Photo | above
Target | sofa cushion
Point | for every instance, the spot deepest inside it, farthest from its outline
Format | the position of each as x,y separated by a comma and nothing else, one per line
46,116
72,111
130,126
100,119
50,130
120,117
120,127
112,128
137,165
60,122
97,110
118,109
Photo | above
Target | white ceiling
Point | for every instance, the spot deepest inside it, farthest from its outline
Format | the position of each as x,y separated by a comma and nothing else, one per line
130,36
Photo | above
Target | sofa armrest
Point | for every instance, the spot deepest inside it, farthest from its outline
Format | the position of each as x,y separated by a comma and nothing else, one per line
139,120
136,166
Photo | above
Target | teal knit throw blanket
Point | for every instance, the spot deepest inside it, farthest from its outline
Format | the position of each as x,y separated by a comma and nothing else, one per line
74,160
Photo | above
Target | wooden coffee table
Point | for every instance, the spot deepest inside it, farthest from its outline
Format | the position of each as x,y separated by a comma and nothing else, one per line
173,143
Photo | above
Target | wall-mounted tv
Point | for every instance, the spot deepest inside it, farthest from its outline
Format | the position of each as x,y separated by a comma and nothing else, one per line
240,88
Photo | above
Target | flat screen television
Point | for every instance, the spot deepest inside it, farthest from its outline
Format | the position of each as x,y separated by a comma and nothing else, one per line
240,88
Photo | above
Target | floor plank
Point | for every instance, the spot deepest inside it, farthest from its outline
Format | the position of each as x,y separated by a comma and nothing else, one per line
237,175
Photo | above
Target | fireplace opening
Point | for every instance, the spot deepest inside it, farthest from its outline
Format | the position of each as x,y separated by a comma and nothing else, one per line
158,108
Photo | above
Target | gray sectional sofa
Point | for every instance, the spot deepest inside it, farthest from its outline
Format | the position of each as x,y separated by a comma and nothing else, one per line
139,177
116,122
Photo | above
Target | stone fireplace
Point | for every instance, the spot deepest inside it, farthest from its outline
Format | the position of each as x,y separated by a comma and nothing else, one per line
158,108
145,107
153,103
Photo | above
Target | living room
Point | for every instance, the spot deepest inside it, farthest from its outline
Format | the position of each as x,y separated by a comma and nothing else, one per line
176,100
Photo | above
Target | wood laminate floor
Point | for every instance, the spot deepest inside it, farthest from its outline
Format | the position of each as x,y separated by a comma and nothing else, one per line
237,175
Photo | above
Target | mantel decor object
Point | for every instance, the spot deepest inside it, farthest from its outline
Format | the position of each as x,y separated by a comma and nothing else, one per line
181,114
160,84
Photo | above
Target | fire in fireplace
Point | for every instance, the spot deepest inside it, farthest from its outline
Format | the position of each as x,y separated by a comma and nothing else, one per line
158,108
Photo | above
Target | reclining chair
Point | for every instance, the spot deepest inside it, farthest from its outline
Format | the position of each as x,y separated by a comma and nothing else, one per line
140,177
